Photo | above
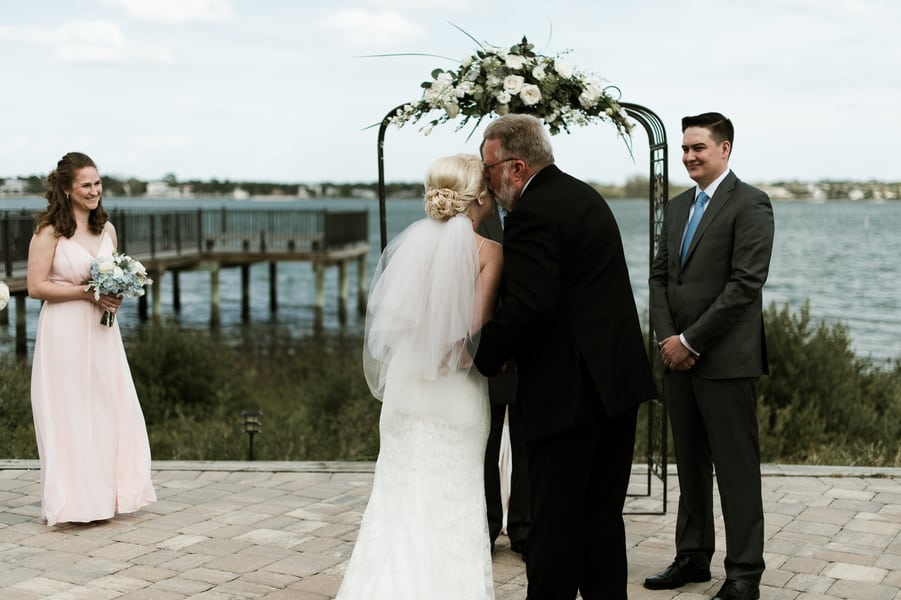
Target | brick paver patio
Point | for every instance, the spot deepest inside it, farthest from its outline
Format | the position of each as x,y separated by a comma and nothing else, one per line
276,531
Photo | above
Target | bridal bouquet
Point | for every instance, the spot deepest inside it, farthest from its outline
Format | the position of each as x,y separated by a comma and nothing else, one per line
4,295
517,80
119,275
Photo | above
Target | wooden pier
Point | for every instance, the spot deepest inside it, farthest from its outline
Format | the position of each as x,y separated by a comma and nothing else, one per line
173,240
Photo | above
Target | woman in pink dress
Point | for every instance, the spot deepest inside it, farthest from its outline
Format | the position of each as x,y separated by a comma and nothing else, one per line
91,437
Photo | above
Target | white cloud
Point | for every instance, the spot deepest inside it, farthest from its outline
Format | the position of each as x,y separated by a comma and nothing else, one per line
363,28
99,42
176,11
163,141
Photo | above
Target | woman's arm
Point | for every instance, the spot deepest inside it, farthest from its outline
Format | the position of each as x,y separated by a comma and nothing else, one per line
41,251
40,258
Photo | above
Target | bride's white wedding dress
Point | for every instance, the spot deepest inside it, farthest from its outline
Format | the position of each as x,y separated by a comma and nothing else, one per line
424,533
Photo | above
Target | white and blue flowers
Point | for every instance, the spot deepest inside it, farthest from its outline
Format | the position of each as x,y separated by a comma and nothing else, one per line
118,275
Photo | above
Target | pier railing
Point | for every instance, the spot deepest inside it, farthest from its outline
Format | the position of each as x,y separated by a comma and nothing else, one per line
148,234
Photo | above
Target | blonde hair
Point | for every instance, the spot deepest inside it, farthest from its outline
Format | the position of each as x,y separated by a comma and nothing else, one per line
451,184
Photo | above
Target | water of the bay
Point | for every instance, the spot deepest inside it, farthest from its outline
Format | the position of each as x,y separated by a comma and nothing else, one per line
842,256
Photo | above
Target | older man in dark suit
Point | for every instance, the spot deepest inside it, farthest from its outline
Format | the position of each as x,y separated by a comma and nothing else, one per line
569,320
707,314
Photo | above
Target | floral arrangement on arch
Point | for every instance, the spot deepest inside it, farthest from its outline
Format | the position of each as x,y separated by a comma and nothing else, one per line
516,80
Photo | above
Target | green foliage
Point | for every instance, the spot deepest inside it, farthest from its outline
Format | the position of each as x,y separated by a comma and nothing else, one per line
311,391
821,404
183,372
16,421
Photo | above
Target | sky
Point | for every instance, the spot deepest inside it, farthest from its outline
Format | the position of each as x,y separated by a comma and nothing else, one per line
288,90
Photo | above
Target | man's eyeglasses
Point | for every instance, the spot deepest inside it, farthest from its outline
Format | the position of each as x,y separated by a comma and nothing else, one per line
487,168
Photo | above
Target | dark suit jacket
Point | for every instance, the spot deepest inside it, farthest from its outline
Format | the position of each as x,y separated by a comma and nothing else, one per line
568,316
715,298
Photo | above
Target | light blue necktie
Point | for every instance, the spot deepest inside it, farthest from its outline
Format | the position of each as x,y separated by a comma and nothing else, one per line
693,224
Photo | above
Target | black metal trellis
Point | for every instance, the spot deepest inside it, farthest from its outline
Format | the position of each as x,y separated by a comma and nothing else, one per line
658,192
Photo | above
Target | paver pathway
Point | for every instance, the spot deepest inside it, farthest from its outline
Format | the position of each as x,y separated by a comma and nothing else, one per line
237,530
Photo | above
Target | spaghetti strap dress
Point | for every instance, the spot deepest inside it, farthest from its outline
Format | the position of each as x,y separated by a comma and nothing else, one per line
91,436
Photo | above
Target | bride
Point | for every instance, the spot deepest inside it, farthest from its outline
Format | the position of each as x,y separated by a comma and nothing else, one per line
424,533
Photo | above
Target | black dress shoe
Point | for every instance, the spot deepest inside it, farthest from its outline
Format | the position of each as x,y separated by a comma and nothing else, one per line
736,589
682,571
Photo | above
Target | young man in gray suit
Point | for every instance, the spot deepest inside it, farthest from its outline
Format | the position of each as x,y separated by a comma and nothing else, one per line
707,313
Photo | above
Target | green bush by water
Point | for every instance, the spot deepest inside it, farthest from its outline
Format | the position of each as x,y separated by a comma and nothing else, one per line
820,404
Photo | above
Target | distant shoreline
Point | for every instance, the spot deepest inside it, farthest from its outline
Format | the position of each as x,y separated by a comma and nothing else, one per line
635,188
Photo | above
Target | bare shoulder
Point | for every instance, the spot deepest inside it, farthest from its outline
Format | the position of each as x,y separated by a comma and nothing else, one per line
46,231
488,247
484,242
110,230
46,235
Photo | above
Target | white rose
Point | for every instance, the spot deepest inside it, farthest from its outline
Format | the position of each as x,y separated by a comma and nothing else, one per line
538,73
504,97
467,60
452,109
106,264
515,61
4,295
530,94
590,95
513,83
563,68
117,272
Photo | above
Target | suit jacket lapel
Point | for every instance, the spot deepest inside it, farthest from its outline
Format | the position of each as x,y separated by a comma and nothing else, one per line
719,200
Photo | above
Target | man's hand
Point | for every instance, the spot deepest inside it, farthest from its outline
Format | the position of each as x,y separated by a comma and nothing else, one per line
675,355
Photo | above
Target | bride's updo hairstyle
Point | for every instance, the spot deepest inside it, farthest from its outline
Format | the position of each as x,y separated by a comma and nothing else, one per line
451,184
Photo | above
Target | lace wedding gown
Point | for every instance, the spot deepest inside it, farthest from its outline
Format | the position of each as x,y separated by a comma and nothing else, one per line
424,533
91,438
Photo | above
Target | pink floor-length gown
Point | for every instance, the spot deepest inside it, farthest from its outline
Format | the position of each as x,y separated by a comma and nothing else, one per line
91,436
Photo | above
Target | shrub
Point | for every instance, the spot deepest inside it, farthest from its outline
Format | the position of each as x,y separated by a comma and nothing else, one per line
16,421
821,404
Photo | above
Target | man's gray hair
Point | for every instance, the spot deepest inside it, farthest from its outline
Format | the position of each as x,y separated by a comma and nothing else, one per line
524,137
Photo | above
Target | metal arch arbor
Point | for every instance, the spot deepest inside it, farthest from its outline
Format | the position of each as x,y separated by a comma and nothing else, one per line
658,192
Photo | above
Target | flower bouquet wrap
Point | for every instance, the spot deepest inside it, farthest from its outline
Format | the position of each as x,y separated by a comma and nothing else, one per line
118,275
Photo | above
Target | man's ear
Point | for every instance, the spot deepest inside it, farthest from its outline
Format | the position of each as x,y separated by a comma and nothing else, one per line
727,148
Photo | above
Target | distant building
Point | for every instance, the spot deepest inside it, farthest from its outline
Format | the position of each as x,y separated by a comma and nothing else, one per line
14,187
162,189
